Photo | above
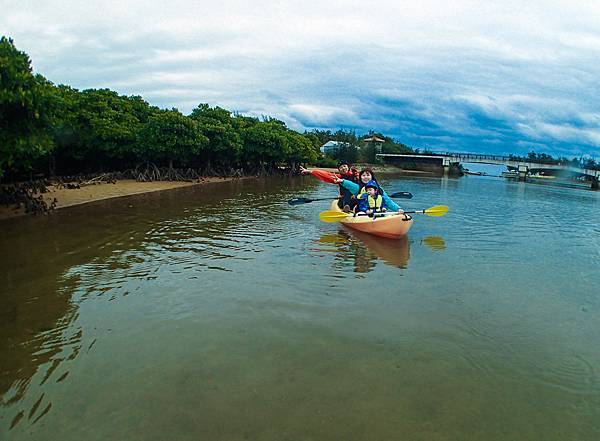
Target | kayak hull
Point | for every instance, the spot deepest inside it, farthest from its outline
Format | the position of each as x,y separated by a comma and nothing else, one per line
392,227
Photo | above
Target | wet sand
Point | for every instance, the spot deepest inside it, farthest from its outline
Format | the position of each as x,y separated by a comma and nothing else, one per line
90,193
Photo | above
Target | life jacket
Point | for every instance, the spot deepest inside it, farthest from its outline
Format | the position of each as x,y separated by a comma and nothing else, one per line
346,196
368,202
375,202
352,175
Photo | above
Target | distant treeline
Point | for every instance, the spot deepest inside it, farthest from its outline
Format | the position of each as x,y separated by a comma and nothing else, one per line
58,130
48,130
543,158
352,147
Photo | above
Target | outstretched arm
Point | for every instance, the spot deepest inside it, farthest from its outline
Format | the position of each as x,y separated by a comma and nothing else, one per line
322,175
352,187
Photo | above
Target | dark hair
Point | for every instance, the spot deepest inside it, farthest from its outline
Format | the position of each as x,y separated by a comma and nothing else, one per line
340,163
366,169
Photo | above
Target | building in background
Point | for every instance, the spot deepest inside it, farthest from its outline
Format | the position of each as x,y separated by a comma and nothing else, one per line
332,146
374,141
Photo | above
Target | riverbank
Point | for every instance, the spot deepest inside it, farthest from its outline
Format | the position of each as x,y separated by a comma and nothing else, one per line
91,193
126,187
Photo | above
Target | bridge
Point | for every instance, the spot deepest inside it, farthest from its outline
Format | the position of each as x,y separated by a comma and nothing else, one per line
447,159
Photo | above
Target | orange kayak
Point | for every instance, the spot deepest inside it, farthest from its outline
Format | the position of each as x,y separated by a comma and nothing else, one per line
391,226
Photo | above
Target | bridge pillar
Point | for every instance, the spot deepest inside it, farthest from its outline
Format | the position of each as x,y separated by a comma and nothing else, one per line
595,183
446,166
523,172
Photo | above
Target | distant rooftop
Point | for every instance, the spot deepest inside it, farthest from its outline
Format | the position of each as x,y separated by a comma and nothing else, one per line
373,138
333,143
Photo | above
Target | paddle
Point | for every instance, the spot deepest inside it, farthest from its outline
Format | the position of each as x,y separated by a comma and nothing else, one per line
401,194
335,216
299,201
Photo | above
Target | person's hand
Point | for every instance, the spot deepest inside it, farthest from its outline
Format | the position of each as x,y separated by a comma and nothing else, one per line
337,180
384,210
400,211
304,171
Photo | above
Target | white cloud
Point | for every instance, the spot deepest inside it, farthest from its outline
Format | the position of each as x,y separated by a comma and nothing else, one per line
407,67
563,132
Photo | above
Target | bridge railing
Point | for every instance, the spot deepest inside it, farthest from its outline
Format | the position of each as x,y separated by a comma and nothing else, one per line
472,156
506,159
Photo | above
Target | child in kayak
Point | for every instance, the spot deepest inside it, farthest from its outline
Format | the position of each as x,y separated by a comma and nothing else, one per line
357,189
370,202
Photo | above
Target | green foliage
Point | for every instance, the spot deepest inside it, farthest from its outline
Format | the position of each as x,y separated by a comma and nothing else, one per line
26,107
395,148
347,152
43,125
367,154
302,148
323,136
541,157
589,164
266,143
326,162
224,141
169,136
353,148
544,158
99,127
314,140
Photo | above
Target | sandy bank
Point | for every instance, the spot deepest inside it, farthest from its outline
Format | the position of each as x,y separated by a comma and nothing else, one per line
69,197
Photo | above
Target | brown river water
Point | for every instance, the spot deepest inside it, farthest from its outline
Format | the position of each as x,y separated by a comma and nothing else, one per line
223,313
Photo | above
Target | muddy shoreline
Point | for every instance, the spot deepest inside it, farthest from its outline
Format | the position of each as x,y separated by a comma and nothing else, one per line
77,196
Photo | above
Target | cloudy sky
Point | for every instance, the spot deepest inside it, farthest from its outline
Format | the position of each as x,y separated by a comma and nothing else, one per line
459,75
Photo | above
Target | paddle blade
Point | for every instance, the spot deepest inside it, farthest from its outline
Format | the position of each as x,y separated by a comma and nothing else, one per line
299,201
436,211
402,194
332,216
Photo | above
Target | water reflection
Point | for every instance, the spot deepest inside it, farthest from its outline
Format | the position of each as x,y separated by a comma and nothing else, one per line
435,243
52,265
37,336
228,318
365,249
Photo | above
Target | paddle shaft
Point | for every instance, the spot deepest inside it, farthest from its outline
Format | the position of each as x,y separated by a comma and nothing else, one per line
392,213
334,216
438,210
319,199
298,201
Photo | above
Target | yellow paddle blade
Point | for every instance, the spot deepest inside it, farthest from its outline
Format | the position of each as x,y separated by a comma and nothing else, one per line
436,243
436,211
332,216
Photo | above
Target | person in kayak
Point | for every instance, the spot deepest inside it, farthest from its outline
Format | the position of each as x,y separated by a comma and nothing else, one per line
345,199
371,201
357,189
